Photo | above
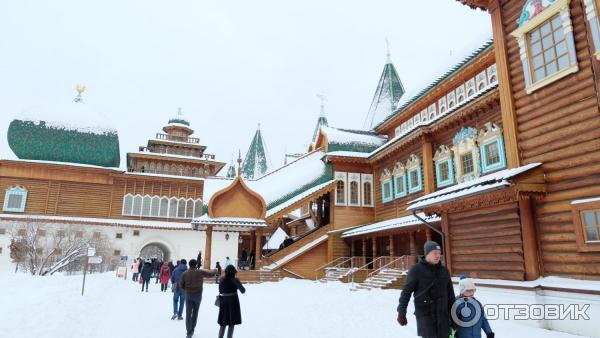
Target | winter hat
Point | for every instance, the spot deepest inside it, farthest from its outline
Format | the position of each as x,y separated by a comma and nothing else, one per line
465,284
430,246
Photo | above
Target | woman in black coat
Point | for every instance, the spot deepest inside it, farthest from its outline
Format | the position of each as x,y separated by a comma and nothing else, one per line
146,274
229,305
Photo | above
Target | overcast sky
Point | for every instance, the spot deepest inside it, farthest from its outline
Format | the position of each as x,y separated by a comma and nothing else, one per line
229,64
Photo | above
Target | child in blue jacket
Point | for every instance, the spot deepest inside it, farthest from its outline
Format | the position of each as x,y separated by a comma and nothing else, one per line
472,318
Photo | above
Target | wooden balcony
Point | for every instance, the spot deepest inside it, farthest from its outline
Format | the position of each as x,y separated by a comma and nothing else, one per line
184,139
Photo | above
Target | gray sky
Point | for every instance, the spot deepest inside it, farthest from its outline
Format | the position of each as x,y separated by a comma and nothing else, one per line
229,64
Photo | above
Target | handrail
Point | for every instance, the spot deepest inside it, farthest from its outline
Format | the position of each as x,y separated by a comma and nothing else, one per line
404,258
301,237
330,264
284,269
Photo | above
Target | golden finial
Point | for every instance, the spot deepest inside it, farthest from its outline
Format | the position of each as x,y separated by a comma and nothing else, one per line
80,89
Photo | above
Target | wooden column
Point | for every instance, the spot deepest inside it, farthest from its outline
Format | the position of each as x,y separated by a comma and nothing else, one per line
413,248
364,250
428,172
391,245
320,211
530,244
374,246
258,249
352,247
208,247
428,234
507,105
448,249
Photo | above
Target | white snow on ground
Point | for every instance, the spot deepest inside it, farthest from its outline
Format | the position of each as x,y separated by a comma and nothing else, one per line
52,307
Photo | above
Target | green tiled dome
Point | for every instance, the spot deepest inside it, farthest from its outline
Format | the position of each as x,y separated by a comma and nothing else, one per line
71,133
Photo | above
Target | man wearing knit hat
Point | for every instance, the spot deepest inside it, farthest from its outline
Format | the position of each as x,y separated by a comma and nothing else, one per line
431,285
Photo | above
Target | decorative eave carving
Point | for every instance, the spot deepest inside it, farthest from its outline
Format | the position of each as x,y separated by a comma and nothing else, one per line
386,175
490,131
442,153
399,169
413,161
477,4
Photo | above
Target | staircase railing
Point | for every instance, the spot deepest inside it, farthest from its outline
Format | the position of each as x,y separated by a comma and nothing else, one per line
333,263
397,263
367,266
284,269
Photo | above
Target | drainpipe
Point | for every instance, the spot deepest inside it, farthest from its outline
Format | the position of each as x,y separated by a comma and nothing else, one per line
437,231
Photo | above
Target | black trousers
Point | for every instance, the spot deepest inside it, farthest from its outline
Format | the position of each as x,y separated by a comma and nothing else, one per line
192,305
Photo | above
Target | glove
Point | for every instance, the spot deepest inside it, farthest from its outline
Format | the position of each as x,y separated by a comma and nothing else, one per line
490,335
402,320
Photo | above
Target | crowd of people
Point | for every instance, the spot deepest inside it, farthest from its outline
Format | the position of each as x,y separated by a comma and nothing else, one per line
187,281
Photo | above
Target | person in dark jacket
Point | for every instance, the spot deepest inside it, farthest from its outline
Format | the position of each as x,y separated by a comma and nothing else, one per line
243,259
171,266
430,282
218,275
178,294
191,283
199,258
146,274
229,303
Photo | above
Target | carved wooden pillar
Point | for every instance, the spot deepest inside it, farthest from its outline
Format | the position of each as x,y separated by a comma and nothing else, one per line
208,247
392,245
364,250
352,248
374,246
530,244
413,248
258,248
428,171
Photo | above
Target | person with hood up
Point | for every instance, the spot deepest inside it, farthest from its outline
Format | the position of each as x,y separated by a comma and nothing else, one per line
146,274
165,276
434,296
178,294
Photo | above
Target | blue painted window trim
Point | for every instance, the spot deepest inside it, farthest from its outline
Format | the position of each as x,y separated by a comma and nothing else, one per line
391,197
419,187
398,194
15,191
438,173
485,167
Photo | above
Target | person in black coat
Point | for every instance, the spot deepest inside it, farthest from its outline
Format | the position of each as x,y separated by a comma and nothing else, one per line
434,296
146,273
229,304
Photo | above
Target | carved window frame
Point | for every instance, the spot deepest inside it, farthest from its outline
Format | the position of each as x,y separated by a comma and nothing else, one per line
386,182
444,155
491,133
399,174
463,146
561,9
414,165
343,178
353,178
591,14
578,211
15,191
366,179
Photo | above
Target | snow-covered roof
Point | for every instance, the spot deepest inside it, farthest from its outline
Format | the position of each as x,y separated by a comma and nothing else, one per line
292,179
175,142
275,240
429,122
489,182
352,140
390,224
166,176
296,253
443,72
352,154
178,125
587,200
236,221
75,116
183,157
298,198
68,164
106,221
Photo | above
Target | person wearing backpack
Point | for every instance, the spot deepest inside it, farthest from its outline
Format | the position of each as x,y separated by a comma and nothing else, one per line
165,276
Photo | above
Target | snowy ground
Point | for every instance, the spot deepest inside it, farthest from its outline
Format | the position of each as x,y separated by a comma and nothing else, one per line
53,307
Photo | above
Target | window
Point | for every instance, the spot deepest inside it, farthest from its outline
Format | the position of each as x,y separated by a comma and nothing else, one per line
460,94
117,253
189,208
97,234
137,206
431,112
15,199
470,88
57,251
78,234
413,167
367,190
181,208
467,163
354,192
119,235
386,186
492,148
492,74
146,206
41,232
451,99
164,207
136,232
197,208
586,217
442,104
173,207
592,17
2,231
399,180
481,79
61,233
424,115
154,207
128,205
21,232
444,169
547,47
340,188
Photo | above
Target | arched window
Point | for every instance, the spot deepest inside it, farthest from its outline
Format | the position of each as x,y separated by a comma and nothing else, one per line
154,208
198,208
189,209
367,198
354,193
166,169
137,205
146,206
173,207
164,207
128,205
152,167
159,168
181,208
340,193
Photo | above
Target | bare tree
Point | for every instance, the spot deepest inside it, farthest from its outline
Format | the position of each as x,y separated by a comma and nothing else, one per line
46,249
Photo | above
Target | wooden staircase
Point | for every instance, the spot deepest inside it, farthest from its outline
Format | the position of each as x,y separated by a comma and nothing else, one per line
334,274
254,276
299,243
384,279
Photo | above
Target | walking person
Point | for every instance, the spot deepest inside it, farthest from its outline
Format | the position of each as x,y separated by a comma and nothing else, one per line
243,259
135,269
430,282
191,283
468,307
165,276
229,302
157,266
178,294
227,262
146,274
218,267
